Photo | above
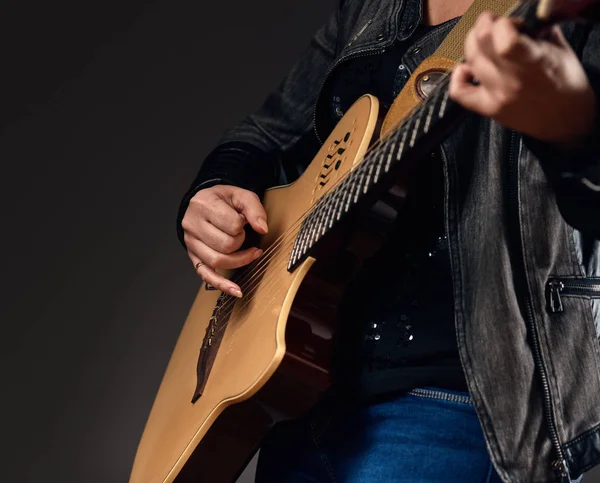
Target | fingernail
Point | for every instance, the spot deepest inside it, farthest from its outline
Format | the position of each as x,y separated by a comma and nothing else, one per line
263,224
235,292
258,253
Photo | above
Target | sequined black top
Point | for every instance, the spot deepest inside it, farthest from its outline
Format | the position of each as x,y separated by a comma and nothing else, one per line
397,322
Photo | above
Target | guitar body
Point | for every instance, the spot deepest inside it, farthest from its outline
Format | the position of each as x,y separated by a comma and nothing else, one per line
272,358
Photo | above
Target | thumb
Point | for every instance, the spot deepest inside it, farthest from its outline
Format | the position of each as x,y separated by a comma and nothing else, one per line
248,204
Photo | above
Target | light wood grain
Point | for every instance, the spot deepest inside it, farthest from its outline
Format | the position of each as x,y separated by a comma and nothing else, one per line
254,342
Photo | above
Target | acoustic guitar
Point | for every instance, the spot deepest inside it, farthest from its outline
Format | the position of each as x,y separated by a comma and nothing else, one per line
241,364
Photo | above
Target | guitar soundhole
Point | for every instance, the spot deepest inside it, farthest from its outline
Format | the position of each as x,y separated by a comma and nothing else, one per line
332,160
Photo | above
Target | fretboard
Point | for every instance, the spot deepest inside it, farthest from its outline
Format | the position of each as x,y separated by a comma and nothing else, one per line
415,135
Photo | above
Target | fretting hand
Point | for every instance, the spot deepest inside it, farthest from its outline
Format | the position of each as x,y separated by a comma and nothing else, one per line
536,87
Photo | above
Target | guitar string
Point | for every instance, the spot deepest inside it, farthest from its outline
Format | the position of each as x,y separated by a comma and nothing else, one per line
285,242
271,252
268,283
323,201
307,213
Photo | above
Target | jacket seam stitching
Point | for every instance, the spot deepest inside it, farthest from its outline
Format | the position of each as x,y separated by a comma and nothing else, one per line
483,412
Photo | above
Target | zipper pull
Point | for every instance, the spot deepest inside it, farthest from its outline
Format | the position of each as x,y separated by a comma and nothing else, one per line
562,471
555,301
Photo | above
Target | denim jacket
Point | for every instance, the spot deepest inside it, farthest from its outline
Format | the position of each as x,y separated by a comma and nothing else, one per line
523,223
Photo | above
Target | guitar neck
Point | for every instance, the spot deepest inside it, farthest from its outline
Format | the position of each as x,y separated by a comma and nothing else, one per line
417,134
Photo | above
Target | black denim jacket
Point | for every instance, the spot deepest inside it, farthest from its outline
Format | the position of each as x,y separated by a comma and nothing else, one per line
523,223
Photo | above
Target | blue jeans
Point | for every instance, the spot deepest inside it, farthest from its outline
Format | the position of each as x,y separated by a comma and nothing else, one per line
425,436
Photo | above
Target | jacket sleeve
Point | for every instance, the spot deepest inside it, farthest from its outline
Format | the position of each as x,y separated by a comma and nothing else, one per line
575,173
249,154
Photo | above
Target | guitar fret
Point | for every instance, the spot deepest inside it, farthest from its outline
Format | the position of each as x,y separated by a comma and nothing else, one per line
368,180
334,212
339,210
293,254
352,181
389,158
402,143
343,197
314,231
338,199
348,198
429,115
331,214
299,249
312,227
305,237
336,205
359,184
444,103
380,162
415,131
322,220
326,217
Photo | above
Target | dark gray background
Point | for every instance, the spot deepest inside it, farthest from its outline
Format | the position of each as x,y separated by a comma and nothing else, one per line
106,112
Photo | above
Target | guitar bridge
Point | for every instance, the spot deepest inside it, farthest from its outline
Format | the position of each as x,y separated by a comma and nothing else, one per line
210,344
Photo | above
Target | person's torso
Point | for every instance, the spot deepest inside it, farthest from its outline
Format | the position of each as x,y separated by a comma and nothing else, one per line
507,242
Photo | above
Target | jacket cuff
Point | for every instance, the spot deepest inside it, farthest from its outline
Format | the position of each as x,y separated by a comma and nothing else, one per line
237,164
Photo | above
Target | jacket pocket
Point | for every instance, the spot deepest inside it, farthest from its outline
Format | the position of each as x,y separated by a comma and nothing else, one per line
557,288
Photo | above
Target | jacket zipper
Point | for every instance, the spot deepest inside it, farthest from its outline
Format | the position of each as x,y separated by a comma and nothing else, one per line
560,466
359,53
567,287
441,395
